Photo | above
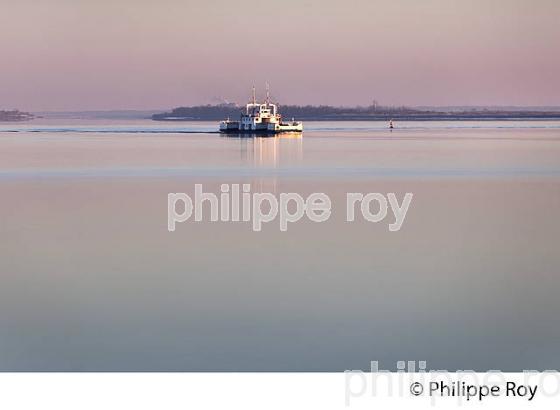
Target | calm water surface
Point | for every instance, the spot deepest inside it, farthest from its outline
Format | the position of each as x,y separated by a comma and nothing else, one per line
90,278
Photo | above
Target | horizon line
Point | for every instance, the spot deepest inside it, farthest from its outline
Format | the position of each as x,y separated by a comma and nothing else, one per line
293,104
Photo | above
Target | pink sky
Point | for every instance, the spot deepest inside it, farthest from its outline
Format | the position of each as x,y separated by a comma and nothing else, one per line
148,54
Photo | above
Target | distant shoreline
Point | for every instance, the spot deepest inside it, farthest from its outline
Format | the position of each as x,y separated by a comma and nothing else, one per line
15,116
394,118
328,113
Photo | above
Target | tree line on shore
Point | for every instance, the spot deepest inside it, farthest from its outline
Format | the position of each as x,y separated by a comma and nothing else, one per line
331,113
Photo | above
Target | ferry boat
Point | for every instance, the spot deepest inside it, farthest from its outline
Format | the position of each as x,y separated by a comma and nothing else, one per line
260,118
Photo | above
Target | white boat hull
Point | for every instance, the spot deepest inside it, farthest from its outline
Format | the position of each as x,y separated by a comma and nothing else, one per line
271,128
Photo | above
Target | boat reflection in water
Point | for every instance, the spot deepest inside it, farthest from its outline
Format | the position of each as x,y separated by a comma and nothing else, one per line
269,153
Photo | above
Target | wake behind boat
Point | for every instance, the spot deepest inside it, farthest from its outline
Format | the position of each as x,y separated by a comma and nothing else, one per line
260,118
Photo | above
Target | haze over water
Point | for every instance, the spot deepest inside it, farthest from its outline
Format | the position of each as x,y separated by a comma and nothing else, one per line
92,279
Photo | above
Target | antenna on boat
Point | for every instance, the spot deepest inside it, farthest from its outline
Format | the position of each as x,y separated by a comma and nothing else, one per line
254,96
267,94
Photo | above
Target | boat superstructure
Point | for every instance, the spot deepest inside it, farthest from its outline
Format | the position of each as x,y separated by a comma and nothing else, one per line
260,118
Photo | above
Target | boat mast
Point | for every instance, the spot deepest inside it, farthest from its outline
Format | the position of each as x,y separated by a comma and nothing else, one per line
254,96
267,94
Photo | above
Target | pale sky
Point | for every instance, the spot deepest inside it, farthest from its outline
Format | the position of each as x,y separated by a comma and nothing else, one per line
147,54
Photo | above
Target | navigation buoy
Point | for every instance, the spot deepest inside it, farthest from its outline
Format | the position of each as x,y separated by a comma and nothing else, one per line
391,124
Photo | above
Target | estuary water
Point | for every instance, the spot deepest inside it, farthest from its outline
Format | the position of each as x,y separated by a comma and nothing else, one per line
92,280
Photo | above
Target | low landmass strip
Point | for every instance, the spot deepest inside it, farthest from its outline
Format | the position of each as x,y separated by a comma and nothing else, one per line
15,115
371,113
